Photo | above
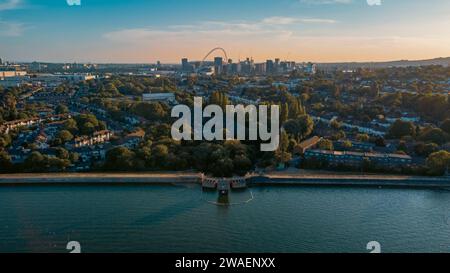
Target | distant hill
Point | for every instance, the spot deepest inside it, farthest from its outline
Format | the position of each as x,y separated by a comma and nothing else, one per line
402,63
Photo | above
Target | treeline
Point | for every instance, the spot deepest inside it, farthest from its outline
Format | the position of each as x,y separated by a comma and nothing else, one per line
9,98
132,85
435,108
59,161
218,159
401,129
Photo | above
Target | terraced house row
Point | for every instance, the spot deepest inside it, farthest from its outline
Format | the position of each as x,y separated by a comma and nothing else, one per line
356,159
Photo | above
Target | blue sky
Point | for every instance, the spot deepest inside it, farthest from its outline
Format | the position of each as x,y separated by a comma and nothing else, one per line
150,30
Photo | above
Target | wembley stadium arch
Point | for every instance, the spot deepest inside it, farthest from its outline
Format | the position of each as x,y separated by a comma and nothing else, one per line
220,49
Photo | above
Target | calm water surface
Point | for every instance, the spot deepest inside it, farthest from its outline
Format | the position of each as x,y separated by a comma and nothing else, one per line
185,219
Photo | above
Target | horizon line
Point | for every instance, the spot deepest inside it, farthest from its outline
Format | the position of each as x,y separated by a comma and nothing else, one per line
177,63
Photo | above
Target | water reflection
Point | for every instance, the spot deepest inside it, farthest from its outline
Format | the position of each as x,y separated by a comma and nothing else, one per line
223,199
178,219
232,198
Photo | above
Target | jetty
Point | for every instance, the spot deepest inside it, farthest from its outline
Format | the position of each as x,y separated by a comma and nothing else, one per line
224,185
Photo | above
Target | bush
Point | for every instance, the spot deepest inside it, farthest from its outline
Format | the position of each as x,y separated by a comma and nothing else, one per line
438,162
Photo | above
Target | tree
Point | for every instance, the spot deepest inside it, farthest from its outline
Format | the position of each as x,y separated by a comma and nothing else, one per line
119,159
5,162
363,137
74,157
35,162
151,111
64,136
402,128
434,135
337,91
110,90
375,90
88,124
159,154
242,165
86,118
282,155
300,127
62,153
325,144
445,126
5,141
10,101
87,128
145,154
222,167
296,108
56,164
235,148
284,115
62,109
422,149
347,144
438,162
301,106
71,126
339,135
201,155
335,124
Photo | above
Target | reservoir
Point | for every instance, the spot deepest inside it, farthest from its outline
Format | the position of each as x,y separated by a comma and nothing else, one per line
183,218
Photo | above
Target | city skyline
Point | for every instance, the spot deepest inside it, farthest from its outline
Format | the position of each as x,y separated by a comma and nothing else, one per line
148,31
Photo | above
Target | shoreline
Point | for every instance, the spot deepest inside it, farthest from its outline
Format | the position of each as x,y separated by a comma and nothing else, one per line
352,181
98,178
269,179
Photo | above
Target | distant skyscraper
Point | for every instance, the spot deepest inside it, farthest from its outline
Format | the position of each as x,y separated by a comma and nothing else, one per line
277,66
269,67
185,64
236,68
218,65
246,66
260,68
310,68
229,67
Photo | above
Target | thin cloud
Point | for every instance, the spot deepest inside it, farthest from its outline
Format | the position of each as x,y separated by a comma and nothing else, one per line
326,2
11,29
10,4
276,20
274,26
193,39
329,2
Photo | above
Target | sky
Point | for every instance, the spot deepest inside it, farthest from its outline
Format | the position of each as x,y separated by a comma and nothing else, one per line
146,31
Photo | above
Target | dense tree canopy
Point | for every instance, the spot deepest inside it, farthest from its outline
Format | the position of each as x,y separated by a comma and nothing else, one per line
300,127
120,159
439,162
401,129
151,111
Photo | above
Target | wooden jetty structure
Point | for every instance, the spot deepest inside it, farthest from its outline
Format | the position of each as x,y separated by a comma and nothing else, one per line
224,185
